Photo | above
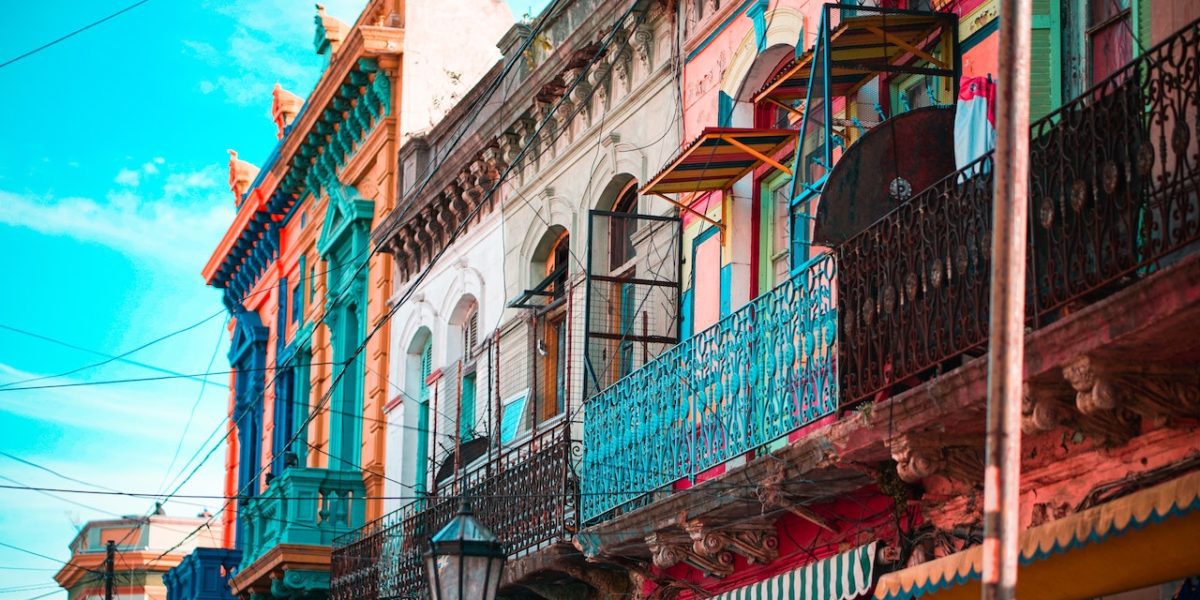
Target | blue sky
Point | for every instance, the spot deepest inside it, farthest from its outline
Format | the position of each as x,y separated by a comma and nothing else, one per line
113,192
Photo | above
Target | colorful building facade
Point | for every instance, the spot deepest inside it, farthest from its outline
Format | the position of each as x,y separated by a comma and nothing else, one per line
690,300
307,293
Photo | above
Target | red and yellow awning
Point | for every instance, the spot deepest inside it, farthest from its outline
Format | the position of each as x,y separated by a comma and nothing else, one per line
1142,539
862,47
718,157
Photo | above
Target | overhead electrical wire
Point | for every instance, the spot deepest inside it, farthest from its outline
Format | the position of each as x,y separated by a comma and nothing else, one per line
72,34
458,230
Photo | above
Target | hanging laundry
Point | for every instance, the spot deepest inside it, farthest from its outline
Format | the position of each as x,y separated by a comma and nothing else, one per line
974,120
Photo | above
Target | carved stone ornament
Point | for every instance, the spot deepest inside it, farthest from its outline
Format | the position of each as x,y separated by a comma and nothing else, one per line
921,454
1044,407
757,542
1153,391
670,549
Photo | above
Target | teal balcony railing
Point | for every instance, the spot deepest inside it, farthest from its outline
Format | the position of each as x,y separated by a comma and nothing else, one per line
303,506
754,377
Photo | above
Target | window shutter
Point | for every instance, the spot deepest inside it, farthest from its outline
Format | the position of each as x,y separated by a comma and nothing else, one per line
426,369
1045,77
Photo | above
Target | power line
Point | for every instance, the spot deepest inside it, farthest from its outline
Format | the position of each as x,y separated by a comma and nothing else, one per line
51,559
73,33
119,357
145,379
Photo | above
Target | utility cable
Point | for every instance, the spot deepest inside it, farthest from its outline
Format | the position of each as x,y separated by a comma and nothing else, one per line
73,33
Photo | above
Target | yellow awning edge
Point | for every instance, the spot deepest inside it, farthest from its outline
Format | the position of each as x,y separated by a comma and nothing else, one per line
1176,498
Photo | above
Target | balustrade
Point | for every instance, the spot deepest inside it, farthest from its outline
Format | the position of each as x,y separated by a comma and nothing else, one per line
302,506
1114,194
757,375
526,496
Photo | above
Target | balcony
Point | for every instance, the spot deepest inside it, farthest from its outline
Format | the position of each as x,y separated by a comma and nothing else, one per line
754,377
526,496
1114,196
304,506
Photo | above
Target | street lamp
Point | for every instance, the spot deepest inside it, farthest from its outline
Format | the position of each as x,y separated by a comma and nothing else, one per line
465,560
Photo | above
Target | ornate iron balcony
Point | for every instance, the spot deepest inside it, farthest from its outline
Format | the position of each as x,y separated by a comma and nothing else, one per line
526,496
754,377
1114,194
303,506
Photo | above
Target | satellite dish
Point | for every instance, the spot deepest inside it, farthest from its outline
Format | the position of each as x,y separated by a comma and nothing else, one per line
883,169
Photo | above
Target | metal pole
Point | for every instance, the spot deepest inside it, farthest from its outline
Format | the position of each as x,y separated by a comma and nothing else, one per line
1002,477
110,555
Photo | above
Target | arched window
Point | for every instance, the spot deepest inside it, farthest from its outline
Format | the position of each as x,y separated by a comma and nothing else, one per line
464,327
622,230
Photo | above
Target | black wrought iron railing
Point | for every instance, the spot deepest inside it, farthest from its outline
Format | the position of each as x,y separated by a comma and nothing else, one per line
526,496
1114,194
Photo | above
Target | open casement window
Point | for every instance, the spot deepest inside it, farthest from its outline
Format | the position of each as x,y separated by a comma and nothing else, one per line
554,272
553,373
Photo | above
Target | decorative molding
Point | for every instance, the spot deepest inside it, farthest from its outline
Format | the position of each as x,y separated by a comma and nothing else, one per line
756,541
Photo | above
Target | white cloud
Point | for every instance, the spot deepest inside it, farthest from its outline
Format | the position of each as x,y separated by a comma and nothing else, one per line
272,43
180,224
128,177
150,168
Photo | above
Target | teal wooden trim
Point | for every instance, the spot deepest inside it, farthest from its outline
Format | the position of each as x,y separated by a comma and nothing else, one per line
750,379
685,325
726,289
758,15
720,28
981,34
725,106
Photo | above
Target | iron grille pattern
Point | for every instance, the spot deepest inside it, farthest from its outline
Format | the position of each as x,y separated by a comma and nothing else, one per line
527,496
1114,194
752,378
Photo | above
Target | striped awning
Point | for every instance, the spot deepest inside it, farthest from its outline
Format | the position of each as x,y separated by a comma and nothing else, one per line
1151,535
718,157
863,46
842,577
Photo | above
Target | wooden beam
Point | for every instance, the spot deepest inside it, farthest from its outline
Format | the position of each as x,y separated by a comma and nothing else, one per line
907,46
790,109
683,206
757,154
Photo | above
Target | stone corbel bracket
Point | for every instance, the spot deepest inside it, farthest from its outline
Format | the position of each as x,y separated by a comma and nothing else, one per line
1154,391
668,549
757,541
920,454
1048,405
